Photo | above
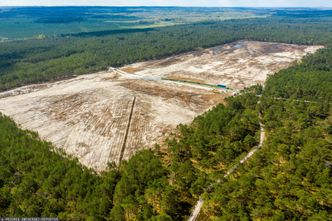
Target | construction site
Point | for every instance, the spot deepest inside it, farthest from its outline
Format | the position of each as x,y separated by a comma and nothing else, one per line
106,117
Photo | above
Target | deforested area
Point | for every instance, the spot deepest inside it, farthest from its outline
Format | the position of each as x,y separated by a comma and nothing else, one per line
88,116
236,65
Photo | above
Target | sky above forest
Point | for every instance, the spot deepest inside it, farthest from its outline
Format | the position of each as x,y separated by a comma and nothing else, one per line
220,3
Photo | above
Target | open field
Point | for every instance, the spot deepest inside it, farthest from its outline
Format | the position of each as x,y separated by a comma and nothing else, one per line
40,22
107,116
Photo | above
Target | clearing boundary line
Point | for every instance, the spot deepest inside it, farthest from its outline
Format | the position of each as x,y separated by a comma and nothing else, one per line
127,130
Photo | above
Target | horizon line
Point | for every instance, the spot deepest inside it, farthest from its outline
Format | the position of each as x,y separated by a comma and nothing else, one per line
165,6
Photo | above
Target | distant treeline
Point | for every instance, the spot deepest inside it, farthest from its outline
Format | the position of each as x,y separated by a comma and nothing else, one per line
35,61
108,32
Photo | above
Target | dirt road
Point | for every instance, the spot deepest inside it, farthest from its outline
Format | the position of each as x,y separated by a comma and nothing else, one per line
200,202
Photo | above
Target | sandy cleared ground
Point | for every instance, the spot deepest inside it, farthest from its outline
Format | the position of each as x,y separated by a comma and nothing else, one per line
88,116
237,65
108,116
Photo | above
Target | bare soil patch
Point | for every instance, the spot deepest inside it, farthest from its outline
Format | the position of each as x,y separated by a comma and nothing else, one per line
237,65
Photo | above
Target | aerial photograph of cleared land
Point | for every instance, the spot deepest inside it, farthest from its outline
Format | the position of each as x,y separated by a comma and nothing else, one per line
175,110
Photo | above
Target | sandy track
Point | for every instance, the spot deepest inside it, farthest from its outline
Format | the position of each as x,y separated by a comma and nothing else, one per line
199,204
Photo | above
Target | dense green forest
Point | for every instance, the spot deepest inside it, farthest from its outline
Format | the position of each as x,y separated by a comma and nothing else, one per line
36,180
34,61
289,178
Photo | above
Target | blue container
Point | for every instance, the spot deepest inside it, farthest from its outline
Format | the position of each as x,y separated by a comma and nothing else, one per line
222,86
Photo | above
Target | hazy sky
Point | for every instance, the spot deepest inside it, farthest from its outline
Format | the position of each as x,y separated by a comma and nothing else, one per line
250,3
